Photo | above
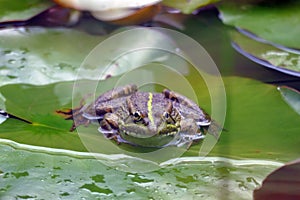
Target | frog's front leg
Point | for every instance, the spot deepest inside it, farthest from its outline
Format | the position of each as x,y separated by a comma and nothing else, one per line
109,127
109,123
190,130
188,108
189,133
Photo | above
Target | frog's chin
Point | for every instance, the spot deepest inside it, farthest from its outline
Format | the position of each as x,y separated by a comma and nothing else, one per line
156,141
145,132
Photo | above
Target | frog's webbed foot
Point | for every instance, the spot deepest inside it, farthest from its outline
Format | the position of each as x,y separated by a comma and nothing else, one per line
185,140
109,134
109,123
75,115
109,127
112,135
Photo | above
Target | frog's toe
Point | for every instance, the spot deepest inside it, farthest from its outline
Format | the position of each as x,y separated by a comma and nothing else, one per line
203,123
112,135
107,132
120,140
66,113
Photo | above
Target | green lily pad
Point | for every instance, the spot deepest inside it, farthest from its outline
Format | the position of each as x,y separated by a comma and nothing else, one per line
254,130
40,110
22,10
266,54
43,56
258,123
69,175
278,23
49,129
188,7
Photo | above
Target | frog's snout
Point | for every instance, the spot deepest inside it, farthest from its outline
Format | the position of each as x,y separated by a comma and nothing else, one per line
152,129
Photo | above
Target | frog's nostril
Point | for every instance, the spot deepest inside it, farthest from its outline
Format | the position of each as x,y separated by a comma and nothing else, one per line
146,121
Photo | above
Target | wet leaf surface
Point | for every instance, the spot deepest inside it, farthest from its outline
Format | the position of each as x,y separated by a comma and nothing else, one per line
70,175
24,59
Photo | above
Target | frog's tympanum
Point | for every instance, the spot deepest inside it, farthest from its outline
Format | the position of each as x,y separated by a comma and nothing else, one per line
144,118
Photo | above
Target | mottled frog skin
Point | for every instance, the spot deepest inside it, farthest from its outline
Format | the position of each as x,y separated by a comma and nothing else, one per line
144,118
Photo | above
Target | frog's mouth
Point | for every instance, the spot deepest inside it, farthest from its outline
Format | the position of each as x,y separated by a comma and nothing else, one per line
143,136
140,131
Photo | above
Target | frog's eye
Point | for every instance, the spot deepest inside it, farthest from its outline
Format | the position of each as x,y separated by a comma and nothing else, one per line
137,116
166,115
168,118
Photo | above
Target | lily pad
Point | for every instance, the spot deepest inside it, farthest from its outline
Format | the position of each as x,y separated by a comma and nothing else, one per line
22,10
258,123
267,135
40,110
253,129
275,22
188,7
25,59
48,129
42,56
71,175
266,54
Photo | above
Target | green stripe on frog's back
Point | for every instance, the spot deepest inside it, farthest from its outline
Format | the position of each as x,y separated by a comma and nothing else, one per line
149,105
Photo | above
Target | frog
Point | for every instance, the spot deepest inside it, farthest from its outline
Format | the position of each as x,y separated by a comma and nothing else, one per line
147,119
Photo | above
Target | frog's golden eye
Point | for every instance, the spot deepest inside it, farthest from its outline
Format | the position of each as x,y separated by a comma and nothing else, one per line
168,118
166,115
137,115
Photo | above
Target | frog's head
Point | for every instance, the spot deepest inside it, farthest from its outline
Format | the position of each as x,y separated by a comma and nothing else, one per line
152,120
